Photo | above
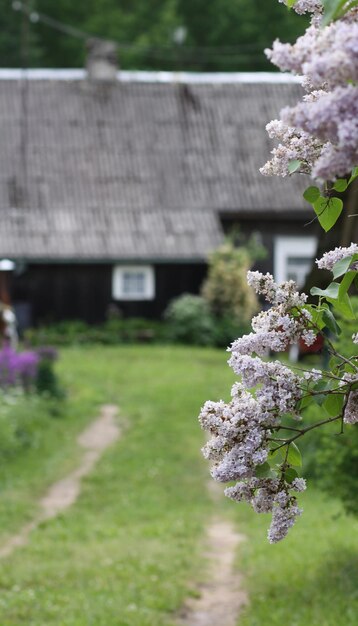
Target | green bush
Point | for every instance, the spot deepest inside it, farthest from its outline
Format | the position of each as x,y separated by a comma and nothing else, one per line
332,459
47,382
227,329
112,332
189,321
226,289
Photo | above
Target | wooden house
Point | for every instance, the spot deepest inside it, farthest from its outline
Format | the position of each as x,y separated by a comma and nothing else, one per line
117,190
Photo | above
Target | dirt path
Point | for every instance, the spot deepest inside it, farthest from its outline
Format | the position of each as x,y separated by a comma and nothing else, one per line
62,494
221,596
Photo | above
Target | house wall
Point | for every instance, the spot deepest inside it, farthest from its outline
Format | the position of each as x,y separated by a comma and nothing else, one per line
268,229
46,293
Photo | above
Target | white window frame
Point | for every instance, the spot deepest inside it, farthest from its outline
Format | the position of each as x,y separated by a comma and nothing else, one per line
286,246
118,274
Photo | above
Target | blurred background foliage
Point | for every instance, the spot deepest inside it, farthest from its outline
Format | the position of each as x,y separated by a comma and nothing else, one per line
331,458
192,35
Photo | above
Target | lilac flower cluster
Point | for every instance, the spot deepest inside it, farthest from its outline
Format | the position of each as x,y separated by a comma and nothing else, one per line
17,368
332,119
242,429
351,410
326,57
306,6
322,130
293,145
277,328
240,442
330,258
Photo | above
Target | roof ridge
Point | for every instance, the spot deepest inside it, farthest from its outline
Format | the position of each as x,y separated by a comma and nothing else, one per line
141,76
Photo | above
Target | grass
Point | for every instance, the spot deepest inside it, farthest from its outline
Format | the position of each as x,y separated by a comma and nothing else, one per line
123,555
129,551
310,578
46,449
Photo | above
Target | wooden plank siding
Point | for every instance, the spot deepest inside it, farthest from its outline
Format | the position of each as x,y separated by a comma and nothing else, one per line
54,292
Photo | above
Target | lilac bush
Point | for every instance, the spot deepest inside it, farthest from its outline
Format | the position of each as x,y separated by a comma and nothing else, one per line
17,368
253,437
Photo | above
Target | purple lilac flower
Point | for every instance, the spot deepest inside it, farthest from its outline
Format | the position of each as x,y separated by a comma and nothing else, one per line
8,367
242,429
327,261
283,518
306,6
17,368
322,130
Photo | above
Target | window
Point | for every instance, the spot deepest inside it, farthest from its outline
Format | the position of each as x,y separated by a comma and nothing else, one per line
133,282
293,258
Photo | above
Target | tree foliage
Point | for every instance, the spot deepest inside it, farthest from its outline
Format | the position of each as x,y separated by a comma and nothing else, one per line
222,35
13,30
250,24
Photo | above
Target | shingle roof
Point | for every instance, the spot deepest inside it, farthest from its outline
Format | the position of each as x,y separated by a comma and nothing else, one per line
134,170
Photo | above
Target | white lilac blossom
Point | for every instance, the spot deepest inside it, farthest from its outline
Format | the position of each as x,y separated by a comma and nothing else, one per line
240,432
313,375
332,119
351,411
276,328
269,496
291,57
321,131
348,378
306,6
326,57
240,440
279,386
282,520
299,484
294,145
334,60
242,429
284,293
327,261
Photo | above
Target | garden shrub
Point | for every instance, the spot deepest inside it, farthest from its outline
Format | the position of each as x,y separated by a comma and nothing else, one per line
189,321
226,289
112,332
227,329
46,381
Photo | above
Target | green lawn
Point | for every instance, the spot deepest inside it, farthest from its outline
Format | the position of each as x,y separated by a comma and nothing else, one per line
128,552
310,578
125,553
